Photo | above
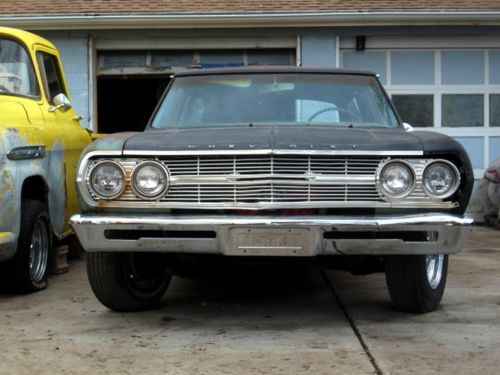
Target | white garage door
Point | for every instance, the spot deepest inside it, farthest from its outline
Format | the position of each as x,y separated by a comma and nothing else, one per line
449,84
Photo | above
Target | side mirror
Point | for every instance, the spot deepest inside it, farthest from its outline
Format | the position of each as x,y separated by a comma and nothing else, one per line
61,102
407,127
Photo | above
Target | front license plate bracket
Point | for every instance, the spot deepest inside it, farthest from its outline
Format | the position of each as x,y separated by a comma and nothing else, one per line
270,242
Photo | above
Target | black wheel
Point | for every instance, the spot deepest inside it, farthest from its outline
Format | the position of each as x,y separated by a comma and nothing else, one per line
128,281
416,282
27,270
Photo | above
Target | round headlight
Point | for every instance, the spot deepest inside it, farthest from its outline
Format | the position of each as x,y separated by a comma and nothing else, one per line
107,179
396,180
441,179
149,180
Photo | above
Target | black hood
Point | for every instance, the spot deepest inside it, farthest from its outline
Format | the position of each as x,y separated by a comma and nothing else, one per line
274,138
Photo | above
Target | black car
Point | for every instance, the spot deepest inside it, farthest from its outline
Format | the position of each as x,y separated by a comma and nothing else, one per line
273,163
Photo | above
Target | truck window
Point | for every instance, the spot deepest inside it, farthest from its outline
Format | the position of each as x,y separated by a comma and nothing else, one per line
17,76
51,75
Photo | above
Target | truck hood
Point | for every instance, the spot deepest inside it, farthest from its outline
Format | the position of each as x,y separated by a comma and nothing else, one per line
274,138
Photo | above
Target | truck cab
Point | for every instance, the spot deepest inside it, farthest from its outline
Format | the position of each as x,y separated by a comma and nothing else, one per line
40,143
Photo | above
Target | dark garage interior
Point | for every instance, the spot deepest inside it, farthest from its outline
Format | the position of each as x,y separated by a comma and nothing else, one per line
125,103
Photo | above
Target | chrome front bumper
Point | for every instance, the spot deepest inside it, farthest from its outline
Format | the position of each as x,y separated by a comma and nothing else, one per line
273,236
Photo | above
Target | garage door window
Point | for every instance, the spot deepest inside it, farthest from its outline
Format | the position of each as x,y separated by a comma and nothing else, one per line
495,110
462,110
161,61
438,88
417,110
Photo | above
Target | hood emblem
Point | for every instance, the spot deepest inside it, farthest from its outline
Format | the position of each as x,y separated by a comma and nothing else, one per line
310,176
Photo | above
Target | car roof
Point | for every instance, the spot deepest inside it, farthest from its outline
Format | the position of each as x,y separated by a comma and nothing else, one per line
272,69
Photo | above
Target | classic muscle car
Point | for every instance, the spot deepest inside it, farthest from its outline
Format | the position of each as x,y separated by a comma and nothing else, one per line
277,162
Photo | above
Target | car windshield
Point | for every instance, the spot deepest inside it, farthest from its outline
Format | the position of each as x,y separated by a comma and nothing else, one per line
17,76
341,100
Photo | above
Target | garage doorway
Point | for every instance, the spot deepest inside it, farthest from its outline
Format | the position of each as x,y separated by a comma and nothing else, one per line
126,102
130,82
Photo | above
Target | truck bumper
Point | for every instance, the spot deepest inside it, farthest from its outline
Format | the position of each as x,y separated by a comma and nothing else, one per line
273,236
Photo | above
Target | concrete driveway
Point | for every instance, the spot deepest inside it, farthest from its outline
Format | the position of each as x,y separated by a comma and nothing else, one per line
263,323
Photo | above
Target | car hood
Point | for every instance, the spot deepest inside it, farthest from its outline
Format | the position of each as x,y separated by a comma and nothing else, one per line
274,138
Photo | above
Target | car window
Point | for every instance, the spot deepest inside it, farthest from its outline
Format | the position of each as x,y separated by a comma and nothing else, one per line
52,75
17,76
275,99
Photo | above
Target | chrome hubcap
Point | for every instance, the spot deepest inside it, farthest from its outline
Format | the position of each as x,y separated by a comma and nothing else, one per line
434,269
39,251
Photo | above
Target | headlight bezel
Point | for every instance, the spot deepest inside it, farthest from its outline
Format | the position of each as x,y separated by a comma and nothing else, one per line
166,175
383,192
91,171
455,186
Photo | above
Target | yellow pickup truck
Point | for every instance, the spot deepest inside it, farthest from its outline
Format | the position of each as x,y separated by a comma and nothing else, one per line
40,142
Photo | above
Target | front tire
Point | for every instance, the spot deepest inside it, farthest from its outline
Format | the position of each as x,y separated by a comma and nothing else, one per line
27,270
128,281
416,282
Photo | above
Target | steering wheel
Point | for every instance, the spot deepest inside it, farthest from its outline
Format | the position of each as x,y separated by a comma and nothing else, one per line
330,109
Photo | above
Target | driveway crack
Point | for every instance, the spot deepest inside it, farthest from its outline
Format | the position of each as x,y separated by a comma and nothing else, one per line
353,326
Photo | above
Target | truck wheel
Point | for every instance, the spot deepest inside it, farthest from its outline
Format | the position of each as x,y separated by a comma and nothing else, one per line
27,270
416,282
127,281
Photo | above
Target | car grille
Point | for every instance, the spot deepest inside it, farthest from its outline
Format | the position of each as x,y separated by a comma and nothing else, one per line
301,181
297,165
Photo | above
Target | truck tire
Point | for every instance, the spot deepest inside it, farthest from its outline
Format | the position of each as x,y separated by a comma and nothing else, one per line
416,282
128,281
27,270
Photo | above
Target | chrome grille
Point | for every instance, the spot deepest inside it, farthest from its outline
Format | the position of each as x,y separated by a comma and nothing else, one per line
264,180
267,179
270,165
